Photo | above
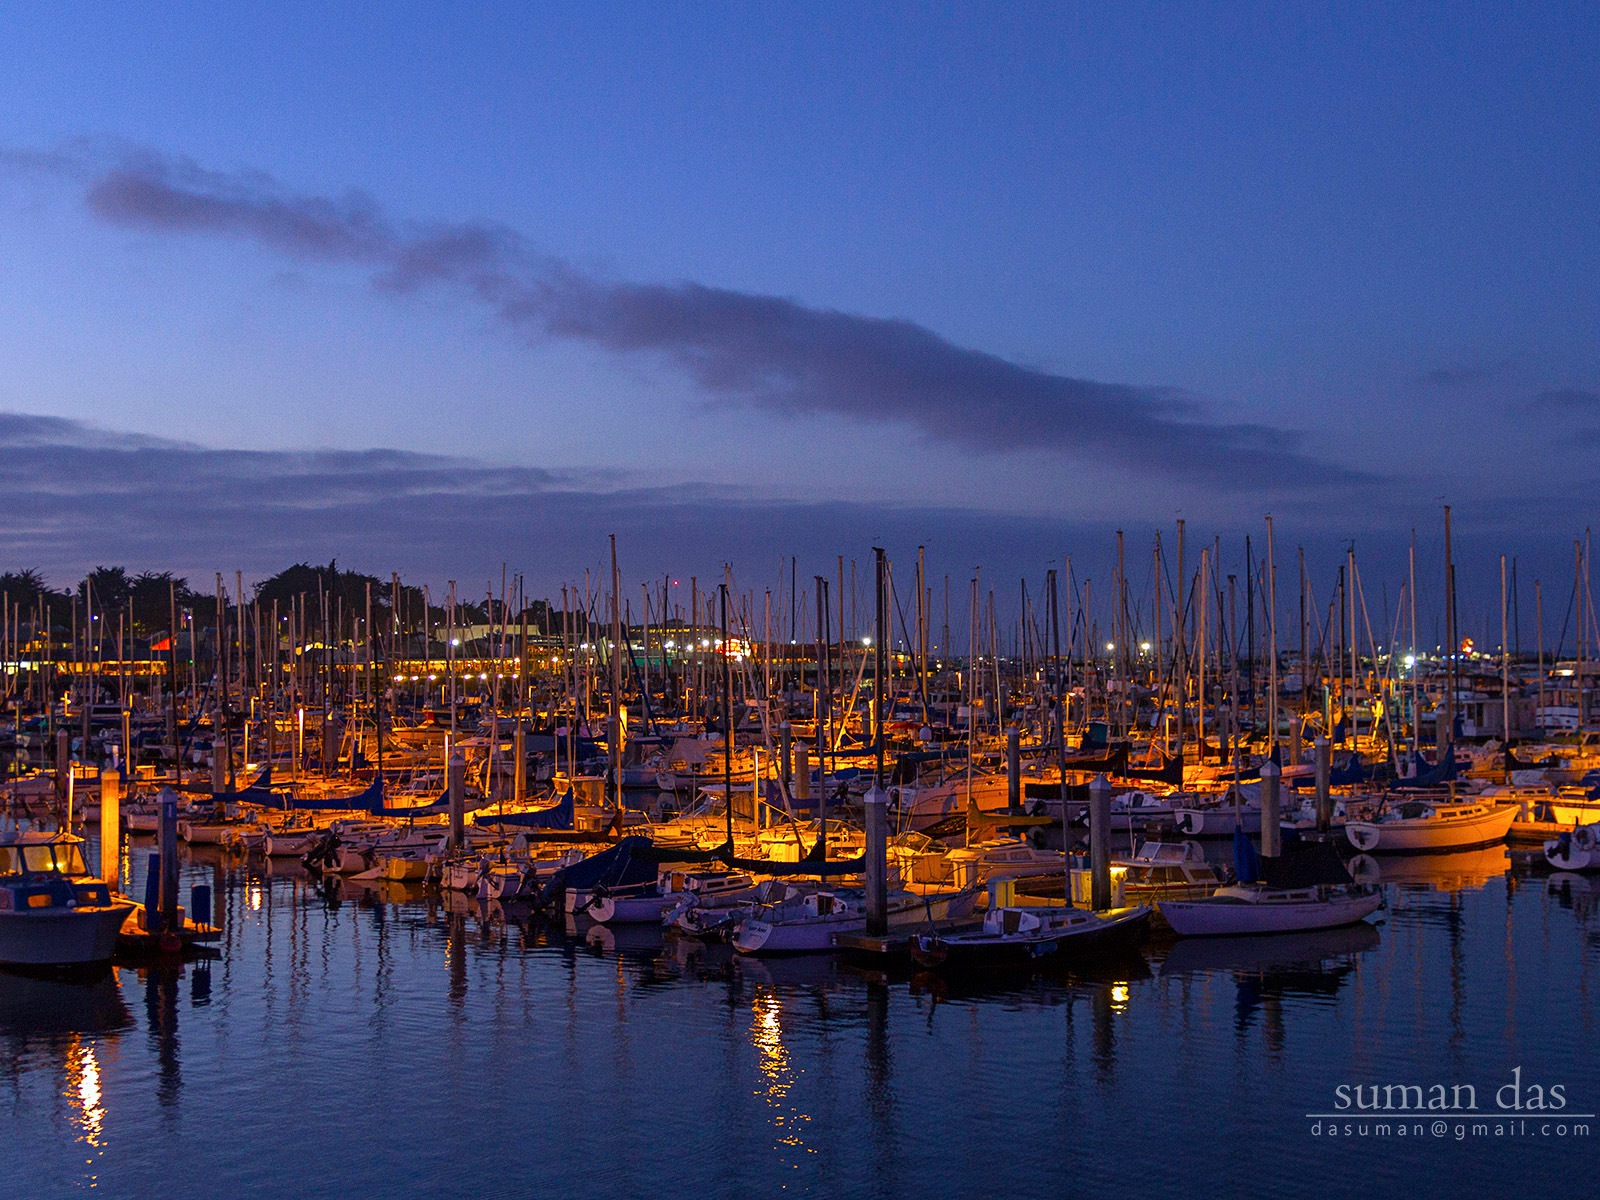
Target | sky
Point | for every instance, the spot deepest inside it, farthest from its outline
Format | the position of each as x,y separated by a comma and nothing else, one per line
430,288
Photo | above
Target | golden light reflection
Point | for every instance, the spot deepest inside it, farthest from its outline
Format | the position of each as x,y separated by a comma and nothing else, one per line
252,897
83,1094
766,1034
1119,997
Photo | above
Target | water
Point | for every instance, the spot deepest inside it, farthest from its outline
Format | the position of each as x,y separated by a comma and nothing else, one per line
376,1043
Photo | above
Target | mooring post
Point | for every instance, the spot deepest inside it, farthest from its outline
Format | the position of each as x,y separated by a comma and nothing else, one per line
1100,843
455,774
1271,831
167,843
1324,756
876,805
519,763
786,758
111,827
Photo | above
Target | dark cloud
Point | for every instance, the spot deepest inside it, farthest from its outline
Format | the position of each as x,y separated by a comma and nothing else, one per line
177,196
77,496
763,352
1459,377
1568,400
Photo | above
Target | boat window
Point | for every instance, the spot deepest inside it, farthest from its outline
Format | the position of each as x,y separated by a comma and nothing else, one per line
38,858
70,859
8,860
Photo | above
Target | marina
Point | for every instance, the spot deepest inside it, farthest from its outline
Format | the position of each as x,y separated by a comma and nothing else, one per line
1083,852
355,1015
704,601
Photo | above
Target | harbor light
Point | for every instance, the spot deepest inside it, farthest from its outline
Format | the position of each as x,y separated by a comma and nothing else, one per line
1111,645
1411,661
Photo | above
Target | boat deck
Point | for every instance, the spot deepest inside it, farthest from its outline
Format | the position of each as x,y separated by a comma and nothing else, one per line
898,943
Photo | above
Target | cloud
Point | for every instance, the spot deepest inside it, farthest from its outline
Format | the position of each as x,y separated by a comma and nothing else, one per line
77,496
1568,400
1459,377
765,353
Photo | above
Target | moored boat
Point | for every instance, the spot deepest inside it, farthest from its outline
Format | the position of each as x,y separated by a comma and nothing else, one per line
812,923
1017,935
53,913
1305,888
1169,871
1432,826
1575,850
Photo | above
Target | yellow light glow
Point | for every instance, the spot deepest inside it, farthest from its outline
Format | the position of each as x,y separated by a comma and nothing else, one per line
83,1084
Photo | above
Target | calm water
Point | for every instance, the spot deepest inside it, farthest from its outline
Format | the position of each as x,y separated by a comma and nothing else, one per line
373,1042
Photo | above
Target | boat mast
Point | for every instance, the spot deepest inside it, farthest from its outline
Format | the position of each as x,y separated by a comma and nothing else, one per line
614,732
1505,667
1272,643
1180,647
727,717
1451,646
1538,617
177,733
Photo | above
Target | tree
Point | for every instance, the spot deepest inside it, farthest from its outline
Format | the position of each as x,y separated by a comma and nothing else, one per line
150,595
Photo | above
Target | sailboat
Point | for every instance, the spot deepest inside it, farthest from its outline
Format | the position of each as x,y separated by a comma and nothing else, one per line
1432,826
1306,887
1577,850
1015,934
812,922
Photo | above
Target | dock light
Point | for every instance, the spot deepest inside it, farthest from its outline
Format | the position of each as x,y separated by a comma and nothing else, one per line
432,678
455,641
705,644
1411,660
483,674
1111,645
866,641
671,645
1144,647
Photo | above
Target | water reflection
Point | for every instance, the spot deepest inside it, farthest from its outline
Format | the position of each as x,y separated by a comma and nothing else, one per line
40,1009
798,1072
83,1090
67,1024
1454,872
777,1075
161,1020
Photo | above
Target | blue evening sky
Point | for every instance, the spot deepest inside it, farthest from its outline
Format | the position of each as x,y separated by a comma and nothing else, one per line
1371,228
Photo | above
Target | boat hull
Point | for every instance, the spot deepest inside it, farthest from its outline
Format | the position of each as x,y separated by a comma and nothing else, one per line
1101,935
1220,918
817,935
61,937
1431,835
1216,822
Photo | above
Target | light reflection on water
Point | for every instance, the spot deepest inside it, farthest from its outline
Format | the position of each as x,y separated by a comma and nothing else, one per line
355,1039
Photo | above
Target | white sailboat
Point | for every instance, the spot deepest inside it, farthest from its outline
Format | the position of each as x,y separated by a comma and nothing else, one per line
812,923
1305,888
1575,851
1432,826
